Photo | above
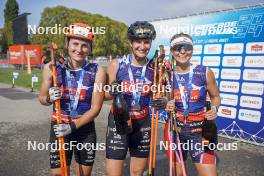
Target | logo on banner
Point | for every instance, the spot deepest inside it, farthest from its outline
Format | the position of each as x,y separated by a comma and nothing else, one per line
251,102
233,48
253,75
254,61
197,49
196,60
249,115
255,48
252,88
232,61
229,99
233,74
211,60
212,49
216,72
227,112
226,86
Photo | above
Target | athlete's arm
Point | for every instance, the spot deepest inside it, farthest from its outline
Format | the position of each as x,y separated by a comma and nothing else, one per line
45,85
111,76
97,100
213,93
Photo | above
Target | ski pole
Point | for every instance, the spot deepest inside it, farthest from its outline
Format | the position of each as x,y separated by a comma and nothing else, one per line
152,117
63,164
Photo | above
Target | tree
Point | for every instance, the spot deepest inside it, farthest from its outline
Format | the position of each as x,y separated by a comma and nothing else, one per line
11,10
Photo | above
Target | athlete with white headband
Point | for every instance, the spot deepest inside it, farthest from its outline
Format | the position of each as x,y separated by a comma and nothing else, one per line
80,105
191,83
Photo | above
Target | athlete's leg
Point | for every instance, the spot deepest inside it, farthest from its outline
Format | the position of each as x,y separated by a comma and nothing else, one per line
114,167
82,170
137,166
206,169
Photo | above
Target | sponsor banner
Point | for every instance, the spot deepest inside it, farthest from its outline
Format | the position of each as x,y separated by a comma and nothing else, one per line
211,60
255,48
252,88
251,102
196,60
233,48
249,115
197,49
231,44
229,99
228,86
254,61
253,75
213,49
233,74
216,72
228,112
232,61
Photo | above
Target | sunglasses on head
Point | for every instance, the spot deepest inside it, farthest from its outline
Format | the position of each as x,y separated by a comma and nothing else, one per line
185,46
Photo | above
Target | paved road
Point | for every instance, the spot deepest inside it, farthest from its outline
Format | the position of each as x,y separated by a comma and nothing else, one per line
23,119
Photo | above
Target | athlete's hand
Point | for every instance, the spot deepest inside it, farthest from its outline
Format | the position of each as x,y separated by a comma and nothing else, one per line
159,103
114,88
170,106
64,129
211,114
54,94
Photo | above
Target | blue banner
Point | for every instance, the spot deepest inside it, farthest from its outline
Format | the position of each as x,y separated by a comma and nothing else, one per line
231,43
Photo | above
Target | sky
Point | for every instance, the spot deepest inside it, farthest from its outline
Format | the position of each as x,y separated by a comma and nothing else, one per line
127,11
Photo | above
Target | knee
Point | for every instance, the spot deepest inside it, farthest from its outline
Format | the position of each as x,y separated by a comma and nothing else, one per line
136,172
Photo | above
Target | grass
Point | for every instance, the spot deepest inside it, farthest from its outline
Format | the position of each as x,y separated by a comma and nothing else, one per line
24,79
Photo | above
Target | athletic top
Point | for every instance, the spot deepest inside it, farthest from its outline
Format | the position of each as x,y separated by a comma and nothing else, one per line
86,90
123,75
197,96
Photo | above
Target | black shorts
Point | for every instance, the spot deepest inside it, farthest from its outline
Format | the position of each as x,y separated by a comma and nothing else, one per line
137,142
82,142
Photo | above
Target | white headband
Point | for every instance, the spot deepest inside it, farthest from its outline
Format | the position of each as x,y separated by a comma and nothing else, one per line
181,40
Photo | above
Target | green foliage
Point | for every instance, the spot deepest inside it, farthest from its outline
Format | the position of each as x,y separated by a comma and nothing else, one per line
11,10
113,42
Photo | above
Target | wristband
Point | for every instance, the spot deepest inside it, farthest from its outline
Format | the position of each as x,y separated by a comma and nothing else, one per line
48,100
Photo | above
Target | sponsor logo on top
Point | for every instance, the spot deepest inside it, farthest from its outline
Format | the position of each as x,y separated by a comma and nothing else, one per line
196,60
255,48
233,48
211,60
232,61
251,102
212,49
233,74
197,49
229,99
228,86
254,61
249,115
227,112
253,75
252,88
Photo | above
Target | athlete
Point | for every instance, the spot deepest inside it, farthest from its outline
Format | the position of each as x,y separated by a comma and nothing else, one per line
191,84
80,105
135,69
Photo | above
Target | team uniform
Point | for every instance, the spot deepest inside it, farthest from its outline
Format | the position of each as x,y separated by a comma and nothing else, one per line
139,140
190,128
81,83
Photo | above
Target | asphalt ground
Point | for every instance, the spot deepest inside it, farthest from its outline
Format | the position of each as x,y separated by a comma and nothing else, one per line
24,120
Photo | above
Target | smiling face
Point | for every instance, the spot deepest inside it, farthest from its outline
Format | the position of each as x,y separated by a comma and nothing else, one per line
78,50
182,55
140,48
